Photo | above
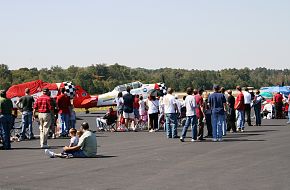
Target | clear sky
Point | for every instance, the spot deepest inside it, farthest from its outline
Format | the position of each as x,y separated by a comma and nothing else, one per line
189,34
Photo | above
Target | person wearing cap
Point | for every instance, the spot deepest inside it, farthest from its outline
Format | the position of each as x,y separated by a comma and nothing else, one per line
86,147
217,102
257,104
6,107
240,107
25,104
43,107
63,105
171,112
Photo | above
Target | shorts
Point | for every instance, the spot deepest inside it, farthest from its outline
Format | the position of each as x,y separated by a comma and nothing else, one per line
128,115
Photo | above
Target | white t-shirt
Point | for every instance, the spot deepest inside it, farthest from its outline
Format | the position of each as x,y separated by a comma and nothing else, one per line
190,104
153,106
169,101
141,105
247,98
119,101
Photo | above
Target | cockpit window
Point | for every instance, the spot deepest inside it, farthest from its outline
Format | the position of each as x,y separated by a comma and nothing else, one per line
136,85
123,87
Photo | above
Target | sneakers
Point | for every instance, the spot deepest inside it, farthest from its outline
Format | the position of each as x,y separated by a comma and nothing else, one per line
49,153
192,140
181,139
242,130
151,130
214,140
219,139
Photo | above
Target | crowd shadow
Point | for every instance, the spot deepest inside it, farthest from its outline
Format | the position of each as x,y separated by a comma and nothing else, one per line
273,125
250,140
261,131
34,148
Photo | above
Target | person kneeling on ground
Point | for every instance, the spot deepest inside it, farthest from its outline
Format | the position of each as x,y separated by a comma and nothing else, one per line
86,147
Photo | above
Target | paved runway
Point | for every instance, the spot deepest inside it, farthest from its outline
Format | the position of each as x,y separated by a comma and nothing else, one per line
257,159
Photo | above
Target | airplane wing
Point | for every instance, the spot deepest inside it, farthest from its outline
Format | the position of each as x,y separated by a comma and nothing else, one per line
34,86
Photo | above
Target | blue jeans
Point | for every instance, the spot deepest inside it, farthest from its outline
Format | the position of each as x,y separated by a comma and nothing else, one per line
217,125
171,119
64,123
257,110
78,154
5,127
190,121
241,119
26,122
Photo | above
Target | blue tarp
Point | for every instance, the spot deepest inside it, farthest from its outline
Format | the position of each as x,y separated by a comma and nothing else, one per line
282,89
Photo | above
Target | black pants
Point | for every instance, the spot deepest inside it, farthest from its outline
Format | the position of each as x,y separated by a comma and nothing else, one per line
231,120
153,121
278,110
248,114
208,124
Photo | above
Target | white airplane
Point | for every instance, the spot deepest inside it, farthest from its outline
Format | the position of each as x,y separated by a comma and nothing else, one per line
137,87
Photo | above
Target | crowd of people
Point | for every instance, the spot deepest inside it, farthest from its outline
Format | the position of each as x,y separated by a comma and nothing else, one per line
221,112
45,110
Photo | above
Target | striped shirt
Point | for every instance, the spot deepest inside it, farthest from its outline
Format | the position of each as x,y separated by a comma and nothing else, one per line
42,104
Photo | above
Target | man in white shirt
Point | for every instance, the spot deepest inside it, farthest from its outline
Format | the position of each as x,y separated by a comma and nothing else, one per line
171,113
191,119
247,101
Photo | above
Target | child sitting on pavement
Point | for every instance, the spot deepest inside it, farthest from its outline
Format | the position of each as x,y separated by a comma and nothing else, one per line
74,140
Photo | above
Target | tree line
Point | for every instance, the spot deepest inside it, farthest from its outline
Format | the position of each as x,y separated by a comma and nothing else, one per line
101,78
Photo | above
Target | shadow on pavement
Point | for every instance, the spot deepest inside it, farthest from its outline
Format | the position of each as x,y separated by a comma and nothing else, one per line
35,148
272,125
253,140
262,131
105,156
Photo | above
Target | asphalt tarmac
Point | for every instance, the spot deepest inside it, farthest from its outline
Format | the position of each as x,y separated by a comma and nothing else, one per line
256,159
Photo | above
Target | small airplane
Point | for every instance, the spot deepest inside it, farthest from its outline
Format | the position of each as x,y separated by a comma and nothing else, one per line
80,98
84,100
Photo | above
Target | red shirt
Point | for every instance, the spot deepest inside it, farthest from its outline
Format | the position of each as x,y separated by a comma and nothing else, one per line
240,98
199,103
63,103
42,104
136,103
278,98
